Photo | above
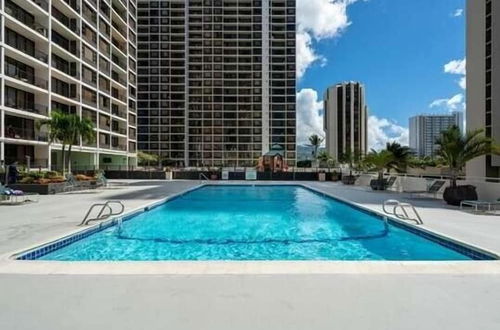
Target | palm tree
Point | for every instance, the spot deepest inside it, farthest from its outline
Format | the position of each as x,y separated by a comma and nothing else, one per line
402,156
59,131
457,149
353,159
67,129
325,158
81,128
315,142
380,161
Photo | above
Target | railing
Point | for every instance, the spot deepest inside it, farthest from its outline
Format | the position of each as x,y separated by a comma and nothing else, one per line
24,134
101,215
22,75
34,108
39,55
118,79
73,4
116,60
120,29
65,20
120,45
19,14
42,3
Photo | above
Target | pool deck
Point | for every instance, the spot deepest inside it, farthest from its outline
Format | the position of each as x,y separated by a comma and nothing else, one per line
242,295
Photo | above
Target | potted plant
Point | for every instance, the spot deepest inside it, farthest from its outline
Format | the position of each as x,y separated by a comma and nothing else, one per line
352,159
379,161
456,150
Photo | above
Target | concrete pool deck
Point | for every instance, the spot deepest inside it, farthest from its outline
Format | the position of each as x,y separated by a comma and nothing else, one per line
240,295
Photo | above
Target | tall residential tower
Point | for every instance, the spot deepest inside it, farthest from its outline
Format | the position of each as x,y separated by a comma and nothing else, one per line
216,80
426,129
345,119
483,79
75,56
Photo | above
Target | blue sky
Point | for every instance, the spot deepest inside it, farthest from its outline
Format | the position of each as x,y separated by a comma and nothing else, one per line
408,53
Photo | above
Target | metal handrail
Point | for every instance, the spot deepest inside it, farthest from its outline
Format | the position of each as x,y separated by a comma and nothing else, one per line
405,216
203,176
100,215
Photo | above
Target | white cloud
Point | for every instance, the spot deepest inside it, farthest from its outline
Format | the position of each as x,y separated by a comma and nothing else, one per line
317,20
305,53
463,82
309,115
454,103
457,67
381,131
457,13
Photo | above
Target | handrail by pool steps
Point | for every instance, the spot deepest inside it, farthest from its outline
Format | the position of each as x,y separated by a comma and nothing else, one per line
403,206
100,215
203,176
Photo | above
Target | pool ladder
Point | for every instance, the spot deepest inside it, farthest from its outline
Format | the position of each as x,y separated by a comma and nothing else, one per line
203,176
101,215
397,205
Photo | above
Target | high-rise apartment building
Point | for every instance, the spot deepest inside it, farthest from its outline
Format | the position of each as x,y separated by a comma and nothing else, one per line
483,79
426,129
216,80
345,119
75,56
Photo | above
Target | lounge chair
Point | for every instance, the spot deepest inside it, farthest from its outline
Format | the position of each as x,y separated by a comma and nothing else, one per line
14,197
482,206
101,180
71,183
433,190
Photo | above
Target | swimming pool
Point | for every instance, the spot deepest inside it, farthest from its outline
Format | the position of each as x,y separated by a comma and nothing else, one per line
236,222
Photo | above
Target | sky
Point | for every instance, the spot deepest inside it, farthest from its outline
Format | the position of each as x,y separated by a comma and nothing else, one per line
409,54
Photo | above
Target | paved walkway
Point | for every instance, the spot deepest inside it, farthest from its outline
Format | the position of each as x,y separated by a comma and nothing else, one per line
354,296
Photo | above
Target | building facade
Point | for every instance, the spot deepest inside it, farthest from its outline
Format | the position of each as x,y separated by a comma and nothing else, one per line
426,129
345,120
75,56
216,80
483,79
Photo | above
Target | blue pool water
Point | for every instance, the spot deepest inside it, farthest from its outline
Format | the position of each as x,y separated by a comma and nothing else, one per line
254,223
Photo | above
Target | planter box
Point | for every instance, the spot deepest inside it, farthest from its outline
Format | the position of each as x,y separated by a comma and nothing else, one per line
52,188
322,177
42,189
349,179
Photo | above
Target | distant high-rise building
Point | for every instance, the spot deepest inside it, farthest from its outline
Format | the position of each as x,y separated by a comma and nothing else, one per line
76,57
345,119
216,80
483,79
426,129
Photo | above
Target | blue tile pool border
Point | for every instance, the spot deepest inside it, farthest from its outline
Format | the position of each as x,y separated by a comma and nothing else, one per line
40,251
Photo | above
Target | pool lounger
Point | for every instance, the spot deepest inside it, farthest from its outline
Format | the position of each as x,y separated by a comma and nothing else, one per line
477,205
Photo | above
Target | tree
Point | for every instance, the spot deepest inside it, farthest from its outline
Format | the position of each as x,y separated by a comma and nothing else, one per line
58,126
402,156
379,161
145,159
81,128
315,142
67,129
457,149
353,159
325,158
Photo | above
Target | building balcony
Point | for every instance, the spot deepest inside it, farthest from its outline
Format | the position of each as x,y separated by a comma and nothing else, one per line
38,109
18,133
24,76
21,15
70,23
42,4
73,4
